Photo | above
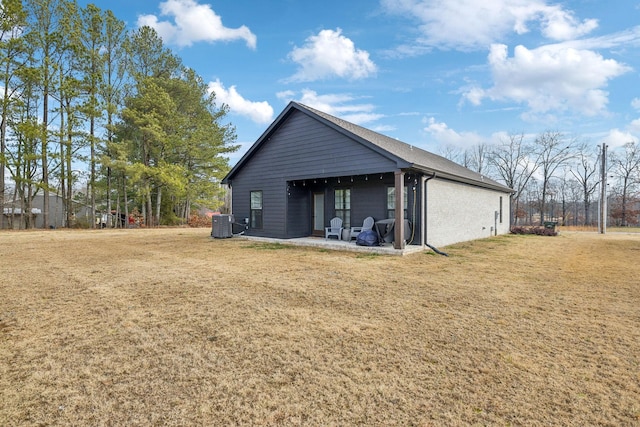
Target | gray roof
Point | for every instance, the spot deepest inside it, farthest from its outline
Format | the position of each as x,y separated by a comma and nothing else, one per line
409,156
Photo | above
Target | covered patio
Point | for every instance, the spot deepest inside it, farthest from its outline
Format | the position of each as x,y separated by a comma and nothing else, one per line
340,245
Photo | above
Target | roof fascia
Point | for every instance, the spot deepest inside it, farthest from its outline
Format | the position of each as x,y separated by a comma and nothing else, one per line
261,140
402,163
457,178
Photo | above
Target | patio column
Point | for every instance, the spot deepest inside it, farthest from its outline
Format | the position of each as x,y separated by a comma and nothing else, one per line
398,241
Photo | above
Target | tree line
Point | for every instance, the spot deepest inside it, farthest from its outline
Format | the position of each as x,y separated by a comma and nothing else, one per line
557,178
83,98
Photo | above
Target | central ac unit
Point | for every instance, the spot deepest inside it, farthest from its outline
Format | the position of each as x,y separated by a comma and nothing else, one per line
221,226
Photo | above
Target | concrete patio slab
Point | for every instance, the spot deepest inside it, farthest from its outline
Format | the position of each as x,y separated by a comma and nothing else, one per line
341,245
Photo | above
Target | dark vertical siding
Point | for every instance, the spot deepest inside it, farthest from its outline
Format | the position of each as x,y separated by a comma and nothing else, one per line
301,148
273,205
299,212
369,199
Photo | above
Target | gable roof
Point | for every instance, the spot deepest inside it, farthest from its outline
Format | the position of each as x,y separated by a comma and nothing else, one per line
405,155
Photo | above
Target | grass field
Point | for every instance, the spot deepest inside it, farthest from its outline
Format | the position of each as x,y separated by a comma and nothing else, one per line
610,229
171,327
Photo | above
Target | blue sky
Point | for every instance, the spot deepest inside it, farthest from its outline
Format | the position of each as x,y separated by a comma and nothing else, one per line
432,73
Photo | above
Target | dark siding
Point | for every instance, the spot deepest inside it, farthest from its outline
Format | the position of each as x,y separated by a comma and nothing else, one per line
299,212
273,204
301,148
369,199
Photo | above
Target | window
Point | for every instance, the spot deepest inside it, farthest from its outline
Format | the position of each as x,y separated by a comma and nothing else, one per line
343,206
256,210
500,209
391,202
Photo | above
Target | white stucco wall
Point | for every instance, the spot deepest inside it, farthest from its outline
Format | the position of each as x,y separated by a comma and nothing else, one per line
459,212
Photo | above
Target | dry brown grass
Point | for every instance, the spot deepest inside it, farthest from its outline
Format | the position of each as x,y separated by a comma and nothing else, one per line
170,327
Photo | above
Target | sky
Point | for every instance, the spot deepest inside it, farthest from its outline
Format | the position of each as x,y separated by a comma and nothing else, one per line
431,73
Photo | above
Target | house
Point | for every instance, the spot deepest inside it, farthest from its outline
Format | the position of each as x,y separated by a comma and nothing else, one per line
309,167
14,214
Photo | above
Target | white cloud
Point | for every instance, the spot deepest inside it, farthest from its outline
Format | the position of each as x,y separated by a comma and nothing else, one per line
550,78
617,138
286,95
339,105
259,112
330,54
473,24
560,24
475,95
443,134
635,103
193,23
384,128
634,126
628,37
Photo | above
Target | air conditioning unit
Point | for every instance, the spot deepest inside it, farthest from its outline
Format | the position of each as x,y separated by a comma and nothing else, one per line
221,226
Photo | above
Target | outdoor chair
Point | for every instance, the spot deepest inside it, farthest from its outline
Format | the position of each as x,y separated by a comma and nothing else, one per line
367,224
335,229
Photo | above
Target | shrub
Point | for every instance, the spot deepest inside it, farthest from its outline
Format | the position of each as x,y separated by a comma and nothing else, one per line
199,221
537,230
171,220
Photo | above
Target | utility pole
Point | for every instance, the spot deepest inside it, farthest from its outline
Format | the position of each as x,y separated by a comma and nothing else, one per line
603,190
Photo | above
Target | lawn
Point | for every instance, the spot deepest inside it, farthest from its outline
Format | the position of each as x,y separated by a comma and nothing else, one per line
171,327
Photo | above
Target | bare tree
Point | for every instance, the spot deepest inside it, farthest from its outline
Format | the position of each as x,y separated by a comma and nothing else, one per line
574,191
627,168
564,191
552,151
586,174
531,196
475,157
512,159
456,154
479,154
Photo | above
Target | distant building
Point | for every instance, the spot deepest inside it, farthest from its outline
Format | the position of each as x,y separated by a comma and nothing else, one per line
16,216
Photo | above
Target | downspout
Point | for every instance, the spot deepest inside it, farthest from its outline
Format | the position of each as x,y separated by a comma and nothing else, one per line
230,198
423,208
